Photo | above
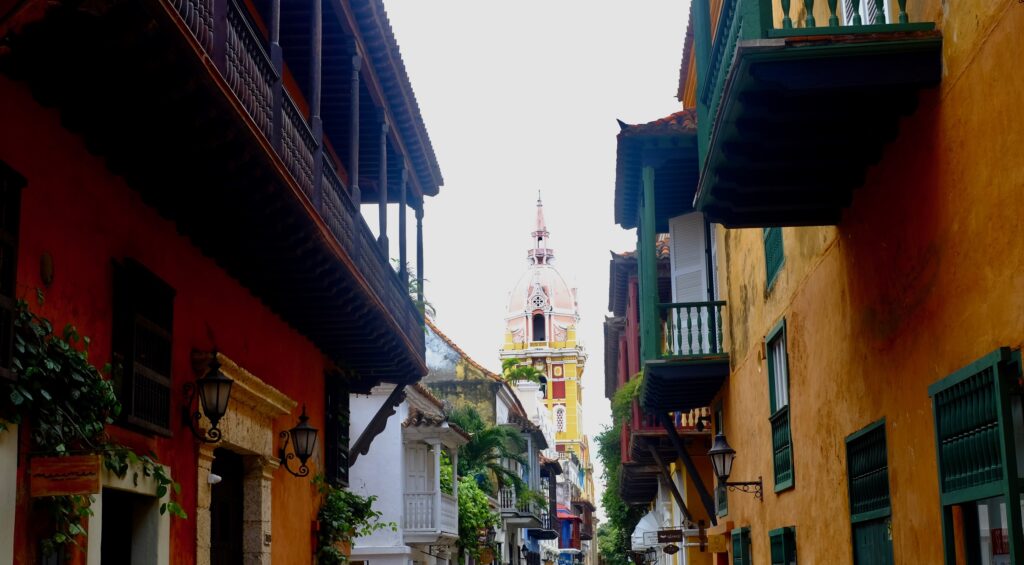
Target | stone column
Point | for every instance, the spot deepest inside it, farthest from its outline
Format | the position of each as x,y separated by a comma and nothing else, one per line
203,499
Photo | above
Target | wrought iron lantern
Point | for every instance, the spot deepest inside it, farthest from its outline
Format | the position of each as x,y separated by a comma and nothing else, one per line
214,392
303,440
722,456
651,554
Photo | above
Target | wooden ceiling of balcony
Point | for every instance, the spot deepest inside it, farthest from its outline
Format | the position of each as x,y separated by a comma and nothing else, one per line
638,484
133,86
682,384
803,119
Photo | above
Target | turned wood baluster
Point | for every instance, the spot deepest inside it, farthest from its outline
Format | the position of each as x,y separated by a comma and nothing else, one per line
718,313
677,335
879,11
809,8
856,12
903,11
833,19
690,338
700,332
786,21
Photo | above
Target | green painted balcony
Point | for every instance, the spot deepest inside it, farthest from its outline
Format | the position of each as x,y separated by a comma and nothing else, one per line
691,362
798,98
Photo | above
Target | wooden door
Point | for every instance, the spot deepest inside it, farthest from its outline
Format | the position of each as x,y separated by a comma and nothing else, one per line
872,542
226,505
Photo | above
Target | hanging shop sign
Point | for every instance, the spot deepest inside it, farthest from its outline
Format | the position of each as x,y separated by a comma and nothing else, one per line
670,536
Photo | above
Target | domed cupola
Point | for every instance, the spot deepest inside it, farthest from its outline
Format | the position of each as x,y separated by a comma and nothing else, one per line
541,306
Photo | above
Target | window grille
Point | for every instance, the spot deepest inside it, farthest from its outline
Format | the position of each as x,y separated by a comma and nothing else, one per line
143,320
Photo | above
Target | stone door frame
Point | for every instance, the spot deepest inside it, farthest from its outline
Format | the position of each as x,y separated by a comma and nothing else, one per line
248,429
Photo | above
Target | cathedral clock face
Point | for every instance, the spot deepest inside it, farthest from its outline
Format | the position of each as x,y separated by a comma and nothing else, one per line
557,370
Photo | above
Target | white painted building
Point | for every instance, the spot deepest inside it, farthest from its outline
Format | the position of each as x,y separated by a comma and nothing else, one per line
404,469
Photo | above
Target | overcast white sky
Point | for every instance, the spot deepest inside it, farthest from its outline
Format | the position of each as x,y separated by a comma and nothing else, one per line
520,96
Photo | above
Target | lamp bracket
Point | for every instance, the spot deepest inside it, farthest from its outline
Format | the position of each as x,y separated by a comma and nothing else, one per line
285,457
192,418
755,487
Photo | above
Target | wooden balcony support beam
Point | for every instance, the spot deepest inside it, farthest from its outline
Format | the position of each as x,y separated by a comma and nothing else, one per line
382,188
403,258
316,124
353,131
419,253
671,484
691,469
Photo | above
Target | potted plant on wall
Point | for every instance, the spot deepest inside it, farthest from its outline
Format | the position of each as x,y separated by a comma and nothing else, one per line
343,515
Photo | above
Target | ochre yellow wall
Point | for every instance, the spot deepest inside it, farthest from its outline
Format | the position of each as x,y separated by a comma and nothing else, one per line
922,276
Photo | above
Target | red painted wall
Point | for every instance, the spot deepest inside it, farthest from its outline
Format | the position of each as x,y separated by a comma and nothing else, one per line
76,210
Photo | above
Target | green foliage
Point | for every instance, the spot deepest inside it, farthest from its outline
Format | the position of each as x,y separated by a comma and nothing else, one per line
413,288
622,400
489,446
621,518
343,515
475,515
447,473
513,370
69,403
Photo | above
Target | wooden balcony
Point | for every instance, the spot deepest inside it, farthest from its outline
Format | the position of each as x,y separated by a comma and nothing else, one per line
646,432
430,516
197,106
638,483
691,362
518,512
797,101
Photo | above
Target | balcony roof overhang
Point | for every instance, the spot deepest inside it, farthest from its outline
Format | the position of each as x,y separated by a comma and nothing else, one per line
166,121
802,118
682,384
669,145
638,484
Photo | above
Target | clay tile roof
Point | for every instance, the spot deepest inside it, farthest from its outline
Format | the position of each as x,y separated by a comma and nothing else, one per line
681,122
428,395
463,354
684,66
418,418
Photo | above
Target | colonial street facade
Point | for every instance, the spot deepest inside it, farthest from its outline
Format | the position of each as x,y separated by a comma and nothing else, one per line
839,299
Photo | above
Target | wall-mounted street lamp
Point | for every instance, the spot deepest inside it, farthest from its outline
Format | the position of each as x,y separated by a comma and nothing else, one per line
651,554
722,456
214,392
303,440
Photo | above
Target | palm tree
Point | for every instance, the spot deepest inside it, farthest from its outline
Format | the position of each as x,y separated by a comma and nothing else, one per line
518,370
487,450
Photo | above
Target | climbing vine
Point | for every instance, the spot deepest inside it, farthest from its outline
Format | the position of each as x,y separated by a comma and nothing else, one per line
68,404
343,515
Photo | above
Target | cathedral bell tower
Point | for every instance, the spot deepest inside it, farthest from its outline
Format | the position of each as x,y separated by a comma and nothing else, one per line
540,329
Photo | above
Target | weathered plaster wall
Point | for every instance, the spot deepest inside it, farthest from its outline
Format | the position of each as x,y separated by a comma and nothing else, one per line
381,472
922,276
80,213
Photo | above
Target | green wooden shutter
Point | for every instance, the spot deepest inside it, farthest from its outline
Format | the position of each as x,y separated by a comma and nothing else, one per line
773,255
783,546
741,547
778,395
867,467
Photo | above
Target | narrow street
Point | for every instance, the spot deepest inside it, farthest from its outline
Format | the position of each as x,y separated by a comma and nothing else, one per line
451,282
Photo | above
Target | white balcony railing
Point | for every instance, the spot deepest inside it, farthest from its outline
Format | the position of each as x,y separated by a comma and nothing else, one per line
420,512
449,514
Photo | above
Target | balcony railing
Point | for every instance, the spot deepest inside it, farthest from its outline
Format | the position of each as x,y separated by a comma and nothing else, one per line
691,329
510,503
422,513
644,422
760,24
251,75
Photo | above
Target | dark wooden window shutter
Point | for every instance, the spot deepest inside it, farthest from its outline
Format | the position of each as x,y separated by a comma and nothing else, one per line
143,319
11,184
336,436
